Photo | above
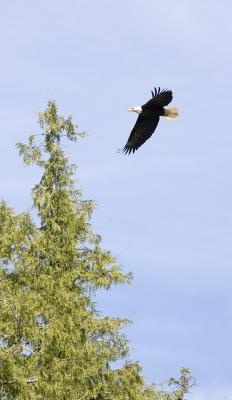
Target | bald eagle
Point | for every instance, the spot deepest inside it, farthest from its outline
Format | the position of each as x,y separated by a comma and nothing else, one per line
148,119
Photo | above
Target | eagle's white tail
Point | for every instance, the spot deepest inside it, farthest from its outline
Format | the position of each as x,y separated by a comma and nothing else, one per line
171,113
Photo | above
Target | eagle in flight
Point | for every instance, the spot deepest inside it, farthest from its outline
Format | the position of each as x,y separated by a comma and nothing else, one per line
148,119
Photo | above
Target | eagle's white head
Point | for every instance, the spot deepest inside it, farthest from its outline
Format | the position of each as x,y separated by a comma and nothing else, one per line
137,109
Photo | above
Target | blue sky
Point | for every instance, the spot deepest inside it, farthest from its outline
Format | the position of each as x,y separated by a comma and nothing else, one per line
166,210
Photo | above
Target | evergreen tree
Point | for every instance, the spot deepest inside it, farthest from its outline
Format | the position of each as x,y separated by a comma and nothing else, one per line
54,344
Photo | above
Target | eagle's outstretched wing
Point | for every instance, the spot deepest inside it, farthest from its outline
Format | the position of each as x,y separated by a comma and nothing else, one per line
143,129
161,97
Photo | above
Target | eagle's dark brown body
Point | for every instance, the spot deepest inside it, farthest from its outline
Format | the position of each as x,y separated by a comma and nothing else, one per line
148,118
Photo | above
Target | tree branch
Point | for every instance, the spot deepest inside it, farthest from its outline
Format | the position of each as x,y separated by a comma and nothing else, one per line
83,396
30,380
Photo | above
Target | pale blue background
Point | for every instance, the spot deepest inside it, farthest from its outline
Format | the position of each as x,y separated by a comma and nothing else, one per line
166,210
